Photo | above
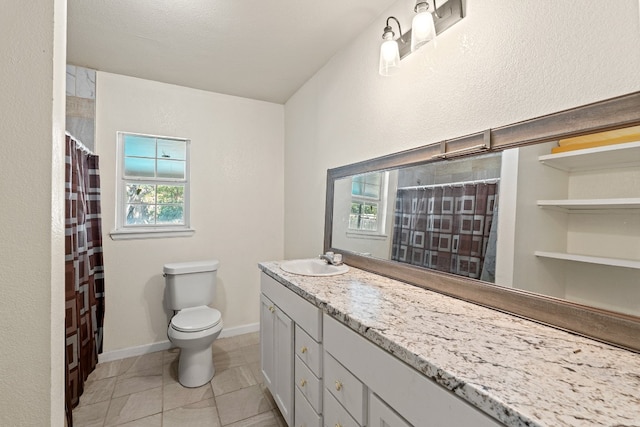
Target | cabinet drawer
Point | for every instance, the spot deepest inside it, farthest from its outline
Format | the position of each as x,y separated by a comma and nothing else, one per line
305,314
381,415
346,388
309,385
305,416
309,351
334,414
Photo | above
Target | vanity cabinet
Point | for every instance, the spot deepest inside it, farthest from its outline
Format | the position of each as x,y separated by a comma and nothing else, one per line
367,386
321,373
291,352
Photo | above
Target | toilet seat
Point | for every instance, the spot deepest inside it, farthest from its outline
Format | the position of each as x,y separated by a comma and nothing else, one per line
196,319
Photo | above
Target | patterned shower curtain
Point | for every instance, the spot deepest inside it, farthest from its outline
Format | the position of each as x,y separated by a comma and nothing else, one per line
446,228
84,277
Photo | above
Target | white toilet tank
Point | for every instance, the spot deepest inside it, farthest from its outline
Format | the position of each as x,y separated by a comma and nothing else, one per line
190,284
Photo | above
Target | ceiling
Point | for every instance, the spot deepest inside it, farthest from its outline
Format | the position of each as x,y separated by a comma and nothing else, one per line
262,50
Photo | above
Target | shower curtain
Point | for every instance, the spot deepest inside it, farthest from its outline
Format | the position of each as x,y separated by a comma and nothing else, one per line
84,277
445,227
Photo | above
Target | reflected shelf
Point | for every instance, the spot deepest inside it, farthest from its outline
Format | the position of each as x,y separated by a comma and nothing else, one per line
618,155
591,204
613,262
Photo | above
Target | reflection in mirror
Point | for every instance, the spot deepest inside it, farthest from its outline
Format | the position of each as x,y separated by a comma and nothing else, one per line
360,221
444,216
437,215
545,224
571,226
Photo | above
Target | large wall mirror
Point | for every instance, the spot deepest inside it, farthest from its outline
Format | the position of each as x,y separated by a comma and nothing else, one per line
540,218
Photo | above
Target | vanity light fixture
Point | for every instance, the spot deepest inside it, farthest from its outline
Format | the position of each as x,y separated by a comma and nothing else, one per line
423,29
425,26
389,50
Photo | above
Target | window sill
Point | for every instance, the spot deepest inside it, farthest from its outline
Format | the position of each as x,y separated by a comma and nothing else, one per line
365,235
155,233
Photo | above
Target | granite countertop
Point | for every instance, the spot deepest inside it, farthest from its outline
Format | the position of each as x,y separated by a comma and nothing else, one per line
518,371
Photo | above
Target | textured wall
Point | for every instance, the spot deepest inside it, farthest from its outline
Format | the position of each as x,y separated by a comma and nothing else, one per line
236,208
504,62
32,227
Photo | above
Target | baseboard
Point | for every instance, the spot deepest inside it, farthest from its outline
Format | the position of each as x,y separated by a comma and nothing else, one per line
124,353
239,330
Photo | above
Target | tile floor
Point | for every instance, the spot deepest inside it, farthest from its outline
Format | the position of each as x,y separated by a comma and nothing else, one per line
144,391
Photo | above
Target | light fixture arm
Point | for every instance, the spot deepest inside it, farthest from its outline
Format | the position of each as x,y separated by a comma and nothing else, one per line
435,10
389,29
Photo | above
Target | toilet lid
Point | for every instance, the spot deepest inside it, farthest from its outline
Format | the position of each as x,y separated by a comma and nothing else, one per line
196,319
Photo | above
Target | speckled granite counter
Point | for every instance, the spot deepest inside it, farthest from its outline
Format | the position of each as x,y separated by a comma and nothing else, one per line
520,372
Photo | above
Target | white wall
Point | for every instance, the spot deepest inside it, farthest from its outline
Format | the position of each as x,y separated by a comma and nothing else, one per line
33,46
236,209
504,62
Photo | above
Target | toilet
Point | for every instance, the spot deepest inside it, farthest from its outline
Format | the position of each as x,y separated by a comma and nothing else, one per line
190,288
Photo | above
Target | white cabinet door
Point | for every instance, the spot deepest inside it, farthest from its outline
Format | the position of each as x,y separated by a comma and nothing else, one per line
276,351
267,340
283,355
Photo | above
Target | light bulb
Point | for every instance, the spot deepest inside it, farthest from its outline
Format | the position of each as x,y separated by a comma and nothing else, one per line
389,55
423,29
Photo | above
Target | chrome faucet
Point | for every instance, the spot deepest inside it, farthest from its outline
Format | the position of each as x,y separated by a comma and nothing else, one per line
331,258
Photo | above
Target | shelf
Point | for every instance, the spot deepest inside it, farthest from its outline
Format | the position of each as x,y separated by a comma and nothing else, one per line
618,155
591,204
614,262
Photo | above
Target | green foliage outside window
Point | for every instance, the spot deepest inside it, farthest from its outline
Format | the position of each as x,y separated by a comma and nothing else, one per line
149,204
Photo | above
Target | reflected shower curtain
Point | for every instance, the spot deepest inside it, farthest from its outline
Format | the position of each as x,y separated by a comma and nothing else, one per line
446,228
84,278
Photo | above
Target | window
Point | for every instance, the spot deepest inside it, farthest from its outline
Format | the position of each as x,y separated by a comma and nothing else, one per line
367,194
153,187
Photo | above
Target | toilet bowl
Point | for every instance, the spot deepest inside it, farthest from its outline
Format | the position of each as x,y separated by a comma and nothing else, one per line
190,288
193,330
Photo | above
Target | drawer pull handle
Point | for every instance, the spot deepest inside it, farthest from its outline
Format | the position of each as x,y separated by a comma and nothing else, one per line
272,309
303,350
338,425
338,385
303,383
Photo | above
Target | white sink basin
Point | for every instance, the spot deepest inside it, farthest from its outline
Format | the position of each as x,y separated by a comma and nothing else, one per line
313,267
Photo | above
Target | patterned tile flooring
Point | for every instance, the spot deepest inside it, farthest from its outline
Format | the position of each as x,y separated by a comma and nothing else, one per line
144,391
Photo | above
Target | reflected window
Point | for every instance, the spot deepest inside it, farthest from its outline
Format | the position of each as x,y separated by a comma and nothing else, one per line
154,185
367,191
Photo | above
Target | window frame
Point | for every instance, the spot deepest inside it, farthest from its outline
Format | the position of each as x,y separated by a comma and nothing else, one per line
123,231
380,201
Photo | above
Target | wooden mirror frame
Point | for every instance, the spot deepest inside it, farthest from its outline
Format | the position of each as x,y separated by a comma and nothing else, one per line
611,327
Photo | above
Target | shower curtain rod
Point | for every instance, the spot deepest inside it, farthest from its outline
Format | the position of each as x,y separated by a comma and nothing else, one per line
451,184
80,144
